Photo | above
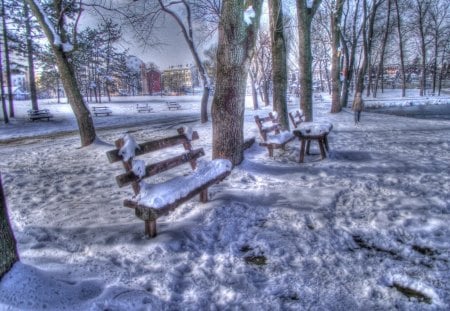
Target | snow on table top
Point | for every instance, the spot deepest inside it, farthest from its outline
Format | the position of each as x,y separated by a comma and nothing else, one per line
315,128
160,195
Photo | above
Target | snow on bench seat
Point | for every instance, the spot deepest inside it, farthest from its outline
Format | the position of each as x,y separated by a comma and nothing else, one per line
163,194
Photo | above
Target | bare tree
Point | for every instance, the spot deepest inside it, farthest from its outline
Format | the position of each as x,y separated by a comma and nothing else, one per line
380,68
337,7
349,41
400,47
2,90
62,42
279,65
369,17
305,13
238,30
7,61
421,9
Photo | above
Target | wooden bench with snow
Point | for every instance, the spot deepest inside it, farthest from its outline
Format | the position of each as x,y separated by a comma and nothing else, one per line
38,114
271,134
296,118
101,110
308,131
143,107
153,200
173,105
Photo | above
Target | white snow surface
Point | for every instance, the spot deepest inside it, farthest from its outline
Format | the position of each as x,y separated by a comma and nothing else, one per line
128,150
162,194
280,138
350,232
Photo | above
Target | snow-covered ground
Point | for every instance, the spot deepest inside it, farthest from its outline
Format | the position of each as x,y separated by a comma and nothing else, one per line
366,228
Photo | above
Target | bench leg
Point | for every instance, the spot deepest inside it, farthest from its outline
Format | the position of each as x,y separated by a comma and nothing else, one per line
204,196
150,228
270,151
302,150
308,144
322,149
327,147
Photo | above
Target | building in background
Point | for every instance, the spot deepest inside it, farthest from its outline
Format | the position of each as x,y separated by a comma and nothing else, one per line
180,79
151,80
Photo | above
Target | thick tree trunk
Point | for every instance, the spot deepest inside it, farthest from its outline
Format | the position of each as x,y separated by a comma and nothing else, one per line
31,75
2,90
335,25
279,67
7,63
235,50
305,15
65,68
8,250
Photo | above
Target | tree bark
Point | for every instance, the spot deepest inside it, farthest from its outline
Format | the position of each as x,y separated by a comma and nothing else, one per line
400,47
7,63
66,70
305,15
32,76
235,50
335,25
8,249
422,8
2,90
279,67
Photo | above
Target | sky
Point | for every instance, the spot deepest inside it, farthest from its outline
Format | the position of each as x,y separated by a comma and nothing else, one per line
364,228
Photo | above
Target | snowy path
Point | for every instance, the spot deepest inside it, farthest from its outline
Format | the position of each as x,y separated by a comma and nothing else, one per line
366,228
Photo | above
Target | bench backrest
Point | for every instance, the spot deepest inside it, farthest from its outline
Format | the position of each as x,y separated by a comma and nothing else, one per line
191,156
267,125
296,118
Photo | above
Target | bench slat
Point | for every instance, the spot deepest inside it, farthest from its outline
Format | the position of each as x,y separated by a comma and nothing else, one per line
159,167
113,155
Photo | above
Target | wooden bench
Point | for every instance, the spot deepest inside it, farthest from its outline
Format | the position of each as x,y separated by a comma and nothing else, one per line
101,110
143,107
39,114
296,118
308,131
173,105
318,97
271,134
152,201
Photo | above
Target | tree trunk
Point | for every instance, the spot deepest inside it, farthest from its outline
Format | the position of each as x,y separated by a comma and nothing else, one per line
279,67
235,50
7,63
8,250
380,69
335,25
254,91
2,92
65,68
400,46
422,11
32,76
